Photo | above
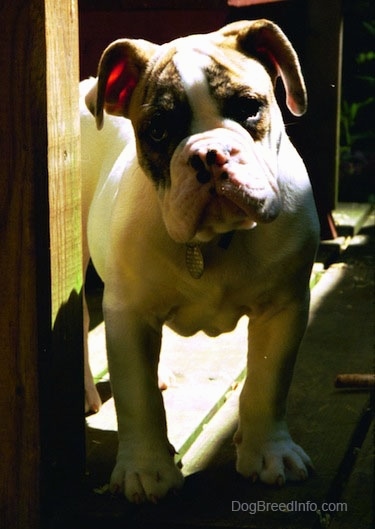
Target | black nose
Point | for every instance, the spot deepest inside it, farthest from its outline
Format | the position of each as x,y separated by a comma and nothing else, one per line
209,164
211,157
196,162
203,175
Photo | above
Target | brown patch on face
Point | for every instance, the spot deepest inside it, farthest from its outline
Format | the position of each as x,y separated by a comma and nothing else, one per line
163,122
239,102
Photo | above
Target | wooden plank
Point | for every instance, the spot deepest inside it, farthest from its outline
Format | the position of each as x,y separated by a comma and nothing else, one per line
349,220
349,217
322,70
359,493
131,5
63,150
63,447
23,177
39,139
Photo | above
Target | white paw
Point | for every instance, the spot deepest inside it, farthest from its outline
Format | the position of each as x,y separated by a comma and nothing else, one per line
93,402
147,478
275,461
166,377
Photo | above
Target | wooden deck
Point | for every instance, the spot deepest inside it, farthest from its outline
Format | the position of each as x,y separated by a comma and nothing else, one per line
333,425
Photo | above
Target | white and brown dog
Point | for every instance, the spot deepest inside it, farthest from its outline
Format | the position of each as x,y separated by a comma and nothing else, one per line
199,210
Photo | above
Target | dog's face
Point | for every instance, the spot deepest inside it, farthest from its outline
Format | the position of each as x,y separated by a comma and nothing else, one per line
206,122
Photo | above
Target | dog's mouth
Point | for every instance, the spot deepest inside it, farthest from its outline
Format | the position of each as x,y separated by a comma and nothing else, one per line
235,207
242,195
259,204
217,187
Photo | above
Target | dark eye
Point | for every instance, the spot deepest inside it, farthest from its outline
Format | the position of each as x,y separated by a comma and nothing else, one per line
243,109
157,129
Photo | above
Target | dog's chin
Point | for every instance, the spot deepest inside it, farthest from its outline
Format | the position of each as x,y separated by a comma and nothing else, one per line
219,217
236,198
209,232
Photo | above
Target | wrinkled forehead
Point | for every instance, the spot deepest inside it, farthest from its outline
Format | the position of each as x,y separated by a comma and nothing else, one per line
199,68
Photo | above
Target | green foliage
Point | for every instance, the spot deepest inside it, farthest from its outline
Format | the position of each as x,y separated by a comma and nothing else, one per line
349,115
358,102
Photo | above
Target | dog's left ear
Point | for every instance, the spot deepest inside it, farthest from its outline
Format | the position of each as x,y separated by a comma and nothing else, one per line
120,69
265,40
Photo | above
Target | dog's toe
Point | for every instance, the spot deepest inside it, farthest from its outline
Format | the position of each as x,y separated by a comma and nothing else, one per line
275,462
297,464
166,378
93,402
149,484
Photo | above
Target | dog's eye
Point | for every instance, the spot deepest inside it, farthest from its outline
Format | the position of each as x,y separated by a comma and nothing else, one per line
243,109
157,129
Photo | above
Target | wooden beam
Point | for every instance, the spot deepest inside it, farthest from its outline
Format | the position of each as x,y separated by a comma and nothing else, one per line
61,377
136,5
23,174
322,67
40,258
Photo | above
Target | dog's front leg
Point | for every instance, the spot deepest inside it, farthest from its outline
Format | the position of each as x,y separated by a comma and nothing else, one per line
93,401
265,449
145,468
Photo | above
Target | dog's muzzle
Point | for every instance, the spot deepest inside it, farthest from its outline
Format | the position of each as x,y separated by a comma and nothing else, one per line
248,183
221,180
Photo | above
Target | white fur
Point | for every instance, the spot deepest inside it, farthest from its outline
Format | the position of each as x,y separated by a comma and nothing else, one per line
190,66
263,273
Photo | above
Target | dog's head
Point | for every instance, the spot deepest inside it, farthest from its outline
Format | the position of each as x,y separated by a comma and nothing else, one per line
206,122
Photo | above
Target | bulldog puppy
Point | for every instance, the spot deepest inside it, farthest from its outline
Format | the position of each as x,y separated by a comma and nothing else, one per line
199,211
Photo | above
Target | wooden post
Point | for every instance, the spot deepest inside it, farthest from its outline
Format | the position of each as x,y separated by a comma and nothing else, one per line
61,377
41,409
323,77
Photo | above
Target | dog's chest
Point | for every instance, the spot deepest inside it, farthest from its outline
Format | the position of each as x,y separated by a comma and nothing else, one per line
208,305
237,280
215,302
211,316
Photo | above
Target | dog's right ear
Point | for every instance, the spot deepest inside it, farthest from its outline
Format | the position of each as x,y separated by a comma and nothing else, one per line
120,69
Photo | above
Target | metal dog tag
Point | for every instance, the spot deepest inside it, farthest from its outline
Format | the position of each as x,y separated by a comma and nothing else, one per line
194,260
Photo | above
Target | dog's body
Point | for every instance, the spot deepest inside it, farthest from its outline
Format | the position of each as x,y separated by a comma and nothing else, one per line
203,215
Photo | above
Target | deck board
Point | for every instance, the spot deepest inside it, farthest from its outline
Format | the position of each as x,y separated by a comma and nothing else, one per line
350,216
359,493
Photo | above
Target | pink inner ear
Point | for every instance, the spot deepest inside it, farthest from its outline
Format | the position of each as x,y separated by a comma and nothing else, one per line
269,57
120,86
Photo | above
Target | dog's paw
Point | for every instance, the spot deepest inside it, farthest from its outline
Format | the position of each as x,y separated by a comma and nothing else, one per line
93,402
275,461
166,378
149,479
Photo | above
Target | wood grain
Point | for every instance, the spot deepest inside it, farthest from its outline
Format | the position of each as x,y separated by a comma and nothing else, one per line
40,258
